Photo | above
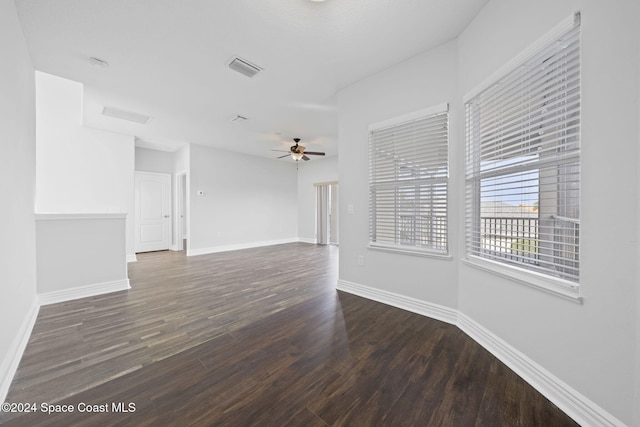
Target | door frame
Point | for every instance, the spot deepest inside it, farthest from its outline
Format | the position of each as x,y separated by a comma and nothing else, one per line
323,214
181,206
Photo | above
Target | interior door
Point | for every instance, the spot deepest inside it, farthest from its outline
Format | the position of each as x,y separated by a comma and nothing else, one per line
153,211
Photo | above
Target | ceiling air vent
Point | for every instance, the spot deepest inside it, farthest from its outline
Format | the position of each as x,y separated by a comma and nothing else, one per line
245,67
125,115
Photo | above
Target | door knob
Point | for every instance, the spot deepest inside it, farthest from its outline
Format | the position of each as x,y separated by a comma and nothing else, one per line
166,216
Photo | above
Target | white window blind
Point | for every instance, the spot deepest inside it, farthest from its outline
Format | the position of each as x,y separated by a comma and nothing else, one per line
408,159
523,162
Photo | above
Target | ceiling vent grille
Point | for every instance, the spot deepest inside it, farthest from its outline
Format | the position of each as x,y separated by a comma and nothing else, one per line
125,115
244,67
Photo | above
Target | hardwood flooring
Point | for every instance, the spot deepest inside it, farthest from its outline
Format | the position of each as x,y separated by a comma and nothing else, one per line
260,337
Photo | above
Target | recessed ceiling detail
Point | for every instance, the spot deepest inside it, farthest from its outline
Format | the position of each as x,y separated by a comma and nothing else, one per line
244,67
125,115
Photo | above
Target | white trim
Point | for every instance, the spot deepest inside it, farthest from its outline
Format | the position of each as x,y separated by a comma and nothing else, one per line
320,184
307,240
543,282
526,54
584,411
179,232
62,216
407,250
420,114
239,246
132,258
10,363
434,311
83,291
577,406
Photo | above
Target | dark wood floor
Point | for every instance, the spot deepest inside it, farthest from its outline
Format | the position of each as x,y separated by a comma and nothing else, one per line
260,337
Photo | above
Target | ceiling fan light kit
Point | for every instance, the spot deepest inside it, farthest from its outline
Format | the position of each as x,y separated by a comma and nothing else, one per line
297,152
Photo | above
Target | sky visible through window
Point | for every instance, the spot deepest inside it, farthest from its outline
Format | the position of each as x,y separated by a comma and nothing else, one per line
519,188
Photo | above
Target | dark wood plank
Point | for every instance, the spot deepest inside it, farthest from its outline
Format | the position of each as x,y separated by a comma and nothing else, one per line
261,337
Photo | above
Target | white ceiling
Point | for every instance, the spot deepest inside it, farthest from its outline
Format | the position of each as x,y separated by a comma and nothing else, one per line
168,60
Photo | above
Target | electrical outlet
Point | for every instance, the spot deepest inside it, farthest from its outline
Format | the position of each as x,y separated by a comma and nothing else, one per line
360,260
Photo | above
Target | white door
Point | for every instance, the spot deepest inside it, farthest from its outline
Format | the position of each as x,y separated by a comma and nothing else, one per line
153,211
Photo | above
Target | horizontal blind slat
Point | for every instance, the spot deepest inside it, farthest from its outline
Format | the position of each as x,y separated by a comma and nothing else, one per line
408,178
523,163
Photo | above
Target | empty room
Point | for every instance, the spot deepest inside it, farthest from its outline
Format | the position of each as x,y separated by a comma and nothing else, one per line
320,213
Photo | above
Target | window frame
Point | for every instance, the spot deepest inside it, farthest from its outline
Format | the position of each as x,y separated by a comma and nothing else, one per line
411,183
515,270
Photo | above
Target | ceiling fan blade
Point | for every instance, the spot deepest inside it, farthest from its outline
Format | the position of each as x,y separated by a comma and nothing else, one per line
314,153
282,157
305,158
282,151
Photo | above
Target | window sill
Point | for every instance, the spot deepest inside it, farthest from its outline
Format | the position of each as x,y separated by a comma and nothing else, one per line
554,286
414,252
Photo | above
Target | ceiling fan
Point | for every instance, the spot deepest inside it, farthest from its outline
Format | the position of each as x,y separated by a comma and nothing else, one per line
297,152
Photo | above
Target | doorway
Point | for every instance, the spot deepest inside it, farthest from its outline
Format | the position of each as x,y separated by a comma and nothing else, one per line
327,213
180,234
152,211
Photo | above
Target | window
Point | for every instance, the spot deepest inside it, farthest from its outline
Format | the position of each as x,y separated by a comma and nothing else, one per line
523,161
408,159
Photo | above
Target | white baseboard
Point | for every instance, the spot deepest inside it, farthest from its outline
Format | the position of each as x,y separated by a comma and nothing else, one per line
236,247
584,411
434,311
132,258
83,292
306,240
9,365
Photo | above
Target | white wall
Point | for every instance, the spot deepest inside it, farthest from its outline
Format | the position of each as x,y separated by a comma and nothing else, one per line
312,172
17,190
80,255
181,159
589,346
636,417
247,200
592,347
148,160
424,81
79,170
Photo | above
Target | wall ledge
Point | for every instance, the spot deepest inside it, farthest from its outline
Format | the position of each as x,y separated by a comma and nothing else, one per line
584,411
43,216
